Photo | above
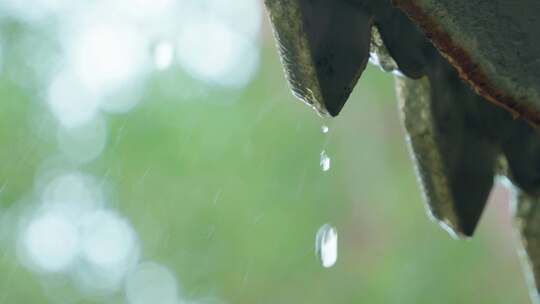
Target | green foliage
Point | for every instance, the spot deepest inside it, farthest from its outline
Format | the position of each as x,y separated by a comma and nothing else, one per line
228,194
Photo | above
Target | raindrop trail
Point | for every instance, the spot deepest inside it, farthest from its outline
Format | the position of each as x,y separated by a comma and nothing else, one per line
145,174
2,188
245,277
105,177
119,135
302,183
217,196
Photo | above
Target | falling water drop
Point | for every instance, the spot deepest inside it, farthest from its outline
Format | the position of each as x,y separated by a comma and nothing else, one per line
163,55
325,129
326,245
325,161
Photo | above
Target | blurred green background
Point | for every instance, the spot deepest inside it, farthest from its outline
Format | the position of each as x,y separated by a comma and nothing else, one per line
150,176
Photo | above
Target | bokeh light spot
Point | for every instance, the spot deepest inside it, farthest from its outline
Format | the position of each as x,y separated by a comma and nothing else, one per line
51,242
108,240
70,102
104,56
73,194
150,282
163,54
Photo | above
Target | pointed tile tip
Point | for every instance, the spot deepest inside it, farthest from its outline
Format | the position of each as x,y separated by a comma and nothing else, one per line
334,104
467,230
457,231
322,108
333,112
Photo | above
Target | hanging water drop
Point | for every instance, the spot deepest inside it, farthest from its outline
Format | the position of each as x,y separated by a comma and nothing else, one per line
325,161
163,55
325,129
326,245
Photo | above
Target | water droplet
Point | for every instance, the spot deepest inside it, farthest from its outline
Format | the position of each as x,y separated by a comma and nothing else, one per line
325,161
326,245
325,129
163,55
